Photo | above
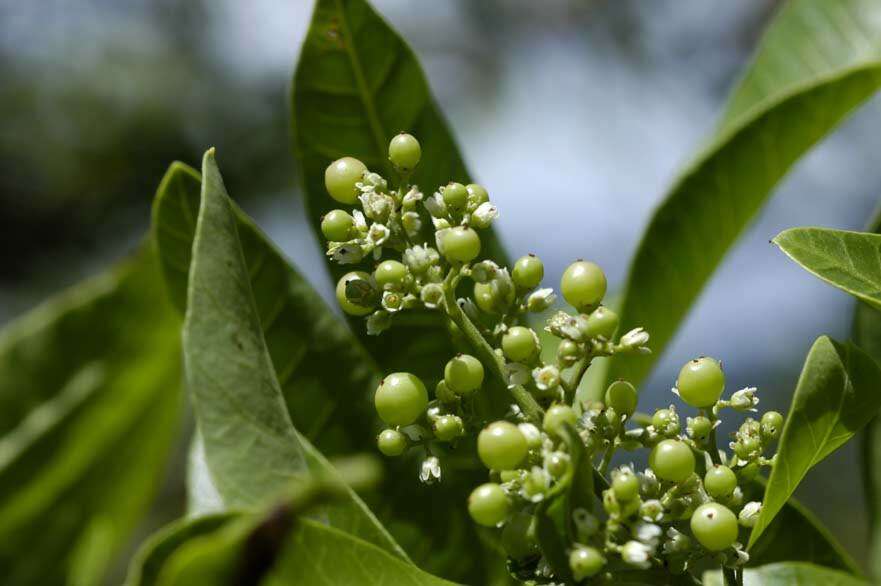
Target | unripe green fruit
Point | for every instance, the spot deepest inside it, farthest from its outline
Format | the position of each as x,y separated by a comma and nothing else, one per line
390,273
404,152
714,526
557,464
625,485
484,297
602,323
621,396
477,194
772,425
568,352
391,442
528,272
448,427
747,447
666,422
701,382
348,306
699,428
336,225
501,446
583,285
340,178
461,244
672,460
400,399
488,504
455,196
556,418
519,344
463,374
585,562
519,536
720,481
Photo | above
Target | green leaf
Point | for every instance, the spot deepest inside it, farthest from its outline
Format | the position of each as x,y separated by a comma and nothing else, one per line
786,574
817,61
251,448
850,261
357,84
319,555
90,405
836,396
815,544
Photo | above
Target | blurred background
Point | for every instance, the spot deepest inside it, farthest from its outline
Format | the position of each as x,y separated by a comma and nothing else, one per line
576,115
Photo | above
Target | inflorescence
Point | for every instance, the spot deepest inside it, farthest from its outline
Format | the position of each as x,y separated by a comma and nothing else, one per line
685,508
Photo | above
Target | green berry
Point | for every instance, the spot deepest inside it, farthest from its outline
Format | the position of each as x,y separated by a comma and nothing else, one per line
477,194
340,178
400,399
336,225
463,374
585,562
666,422
519,536
772,424
583,285
672,460
701,382
699,428
520,344
714,526
568,352
455,196
448,427
390,273
557,463
528,272
461,244
621,396
748,447
720,481
484,297
404,152
602,323
501,446
556,418
348,306
488,504
391,442
625,485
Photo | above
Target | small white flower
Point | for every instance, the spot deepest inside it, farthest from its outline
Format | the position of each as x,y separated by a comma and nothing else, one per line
636,554
360,220
484,215
432,295
412,223
540,300
745,399
410,199
652,510
430,471
378,322
742,555
546,377
635,340
648,482
419,258
346,253
676,542
392,301
372,182
563,325
517,374
749,514
377,206
648,533
378,234
435,206
736,497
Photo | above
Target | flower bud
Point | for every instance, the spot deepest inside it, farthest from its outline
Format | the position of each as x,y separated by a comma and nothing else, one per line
540,300
484,215
749,515
744,399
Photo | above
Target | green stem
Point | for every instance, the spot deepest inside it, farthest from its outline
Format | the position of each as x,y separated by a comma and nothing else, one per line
711,440
485,353
572,378
607,459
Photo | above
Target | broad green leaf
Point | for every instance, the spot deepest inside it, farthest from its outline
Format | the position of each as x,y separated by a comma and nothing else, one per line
357,84
837,394
815,544
326,375
787,574
850,261
817,61
319,555
90,404
251,449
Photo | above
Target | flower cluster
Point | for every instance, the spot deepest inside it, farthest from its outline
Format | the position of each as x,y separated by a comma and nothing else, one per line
686,506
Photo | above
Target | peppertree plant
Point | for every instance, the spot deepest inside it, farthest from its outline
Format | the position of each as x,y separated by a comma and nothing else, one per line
458,365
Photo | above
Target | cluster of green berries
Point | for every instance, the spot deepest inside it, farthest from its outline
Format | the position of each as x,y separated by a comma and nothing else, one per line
688,504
